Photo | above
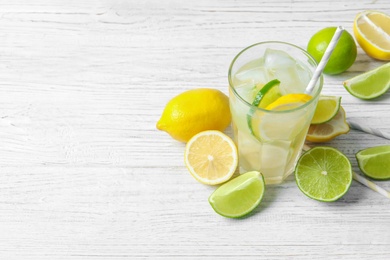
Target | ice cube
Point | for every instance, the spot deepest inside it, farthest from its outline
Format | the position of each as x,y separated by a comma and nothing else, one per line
293,75
254,75
276,59
245,90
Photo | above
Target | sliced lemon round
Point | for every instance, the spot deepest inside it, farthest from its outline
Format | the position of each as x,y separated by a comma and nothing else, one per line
329,130
211,157
370,84
372,30
327,108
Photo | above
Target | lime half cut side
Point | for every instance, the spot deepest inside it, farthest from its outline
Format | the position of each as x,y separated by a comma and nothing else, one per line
239,196
370,84
323,174
374,162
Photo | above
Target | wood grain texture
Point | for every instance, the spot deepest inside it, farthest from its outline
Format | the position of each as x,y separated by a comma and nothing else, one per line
84,174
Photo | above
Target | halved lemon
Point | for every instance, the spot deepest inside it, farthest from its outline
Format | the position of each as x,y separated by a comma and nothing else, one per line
372,32
328,131
211,157
327,108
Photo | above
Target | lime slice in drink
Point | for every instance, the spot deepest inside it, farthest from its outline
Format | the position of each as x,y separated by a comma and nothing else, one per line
329,130
374,162
266,95
238,196
370,84
327,108
268,126
323,174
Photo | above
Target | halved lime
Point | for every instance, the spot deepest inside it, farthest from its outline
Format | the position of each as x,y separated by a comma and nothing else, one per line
266,95
238,196
326,109
370,84
374,162
323,174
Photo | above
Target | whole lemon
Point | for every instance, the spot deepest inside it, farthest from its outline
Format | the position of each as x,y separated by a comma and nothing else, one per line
343,56
194,111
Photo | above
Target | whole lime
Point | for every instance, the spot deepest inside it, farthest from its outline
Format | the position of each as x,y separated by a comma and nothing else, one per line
343,56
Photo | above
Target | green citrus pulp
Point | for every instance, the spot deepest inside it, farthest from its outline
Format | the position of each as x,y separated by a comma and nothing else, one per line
266,95
239,196
374,162
323,174
326,109
370,84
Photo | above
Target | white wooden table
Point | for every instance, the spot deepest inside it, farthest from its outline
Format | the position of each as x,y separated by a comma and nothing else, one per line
84,174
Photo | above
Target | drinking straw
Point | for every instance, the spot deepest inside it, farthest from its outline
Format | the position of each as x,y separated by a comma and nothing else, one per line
354,124
362,180
324,60
370,185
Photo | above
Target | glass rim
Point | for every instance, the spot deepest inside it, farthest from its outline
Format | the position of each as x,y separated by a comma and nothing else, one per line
314,96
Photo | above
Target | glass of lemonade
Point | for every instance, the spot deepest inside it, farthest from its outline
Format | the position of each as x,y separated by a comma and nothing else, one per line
270,140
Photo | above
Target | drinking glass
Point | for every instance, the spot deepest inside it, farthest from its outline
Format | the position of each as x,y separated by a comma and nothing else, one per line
270,141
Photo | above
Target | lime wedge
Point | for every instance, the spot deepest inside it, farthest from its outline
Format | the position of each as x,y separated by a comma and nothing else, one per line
375,162
327,131
323,174
238,196
326,109
266,95
370,84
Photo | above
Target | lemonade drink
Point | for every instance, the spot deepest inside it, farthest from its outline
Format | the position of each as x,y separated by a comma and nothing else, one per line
270,141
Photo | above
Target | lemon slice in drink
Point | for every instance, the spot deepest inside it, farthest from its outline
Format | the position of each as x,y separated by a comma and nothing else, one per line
323,174
268,126
326,109
372,30
374,162
370,84
239,196
329,130
211,157
289,101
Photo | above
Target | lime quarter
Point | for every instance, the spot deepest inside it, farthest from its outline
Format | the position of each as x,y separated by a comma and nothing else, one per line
374,162
239,196
323,174
370,84
326,109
